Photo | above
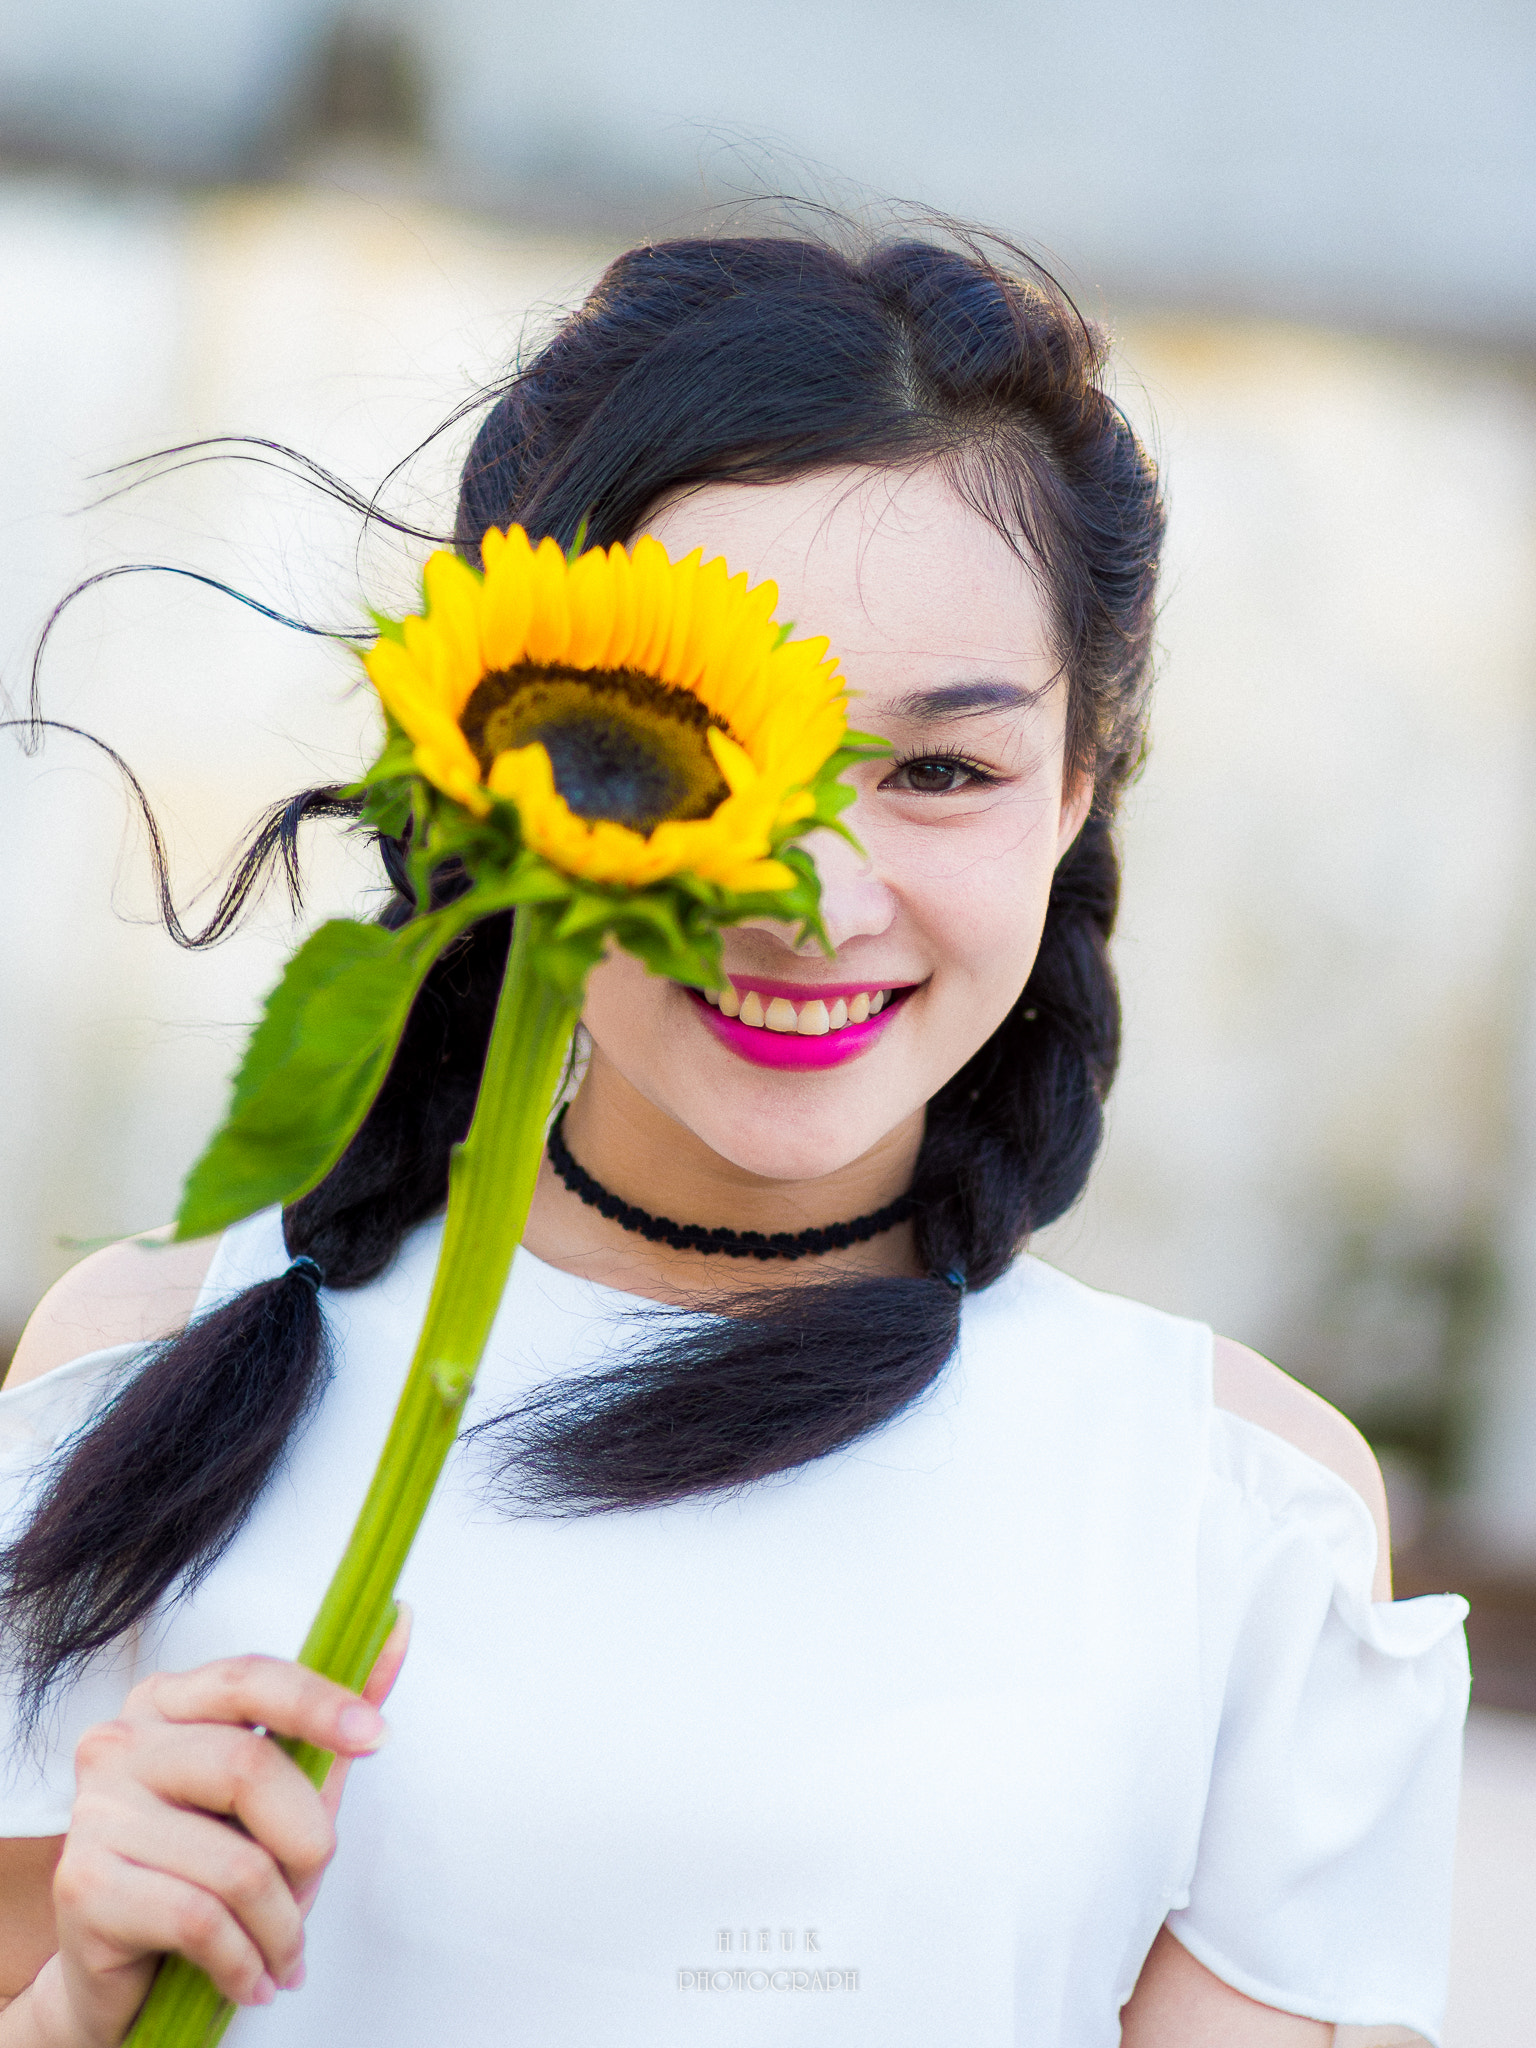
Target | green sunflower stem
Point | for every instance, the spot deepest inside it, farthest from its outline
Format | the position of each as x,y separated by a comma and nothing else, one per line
490,1187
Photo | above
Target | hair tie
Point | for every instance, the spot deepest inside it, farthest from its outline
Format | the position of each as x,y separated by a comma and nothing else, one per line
305,1269
955,1278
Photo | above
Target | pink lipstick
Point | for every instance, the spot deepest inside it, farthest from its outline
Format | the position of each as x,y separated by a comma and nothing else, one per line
796,1027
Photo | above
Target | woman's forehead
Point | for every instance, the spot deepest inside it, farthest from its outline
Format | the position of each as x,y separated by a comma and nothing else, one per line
891,565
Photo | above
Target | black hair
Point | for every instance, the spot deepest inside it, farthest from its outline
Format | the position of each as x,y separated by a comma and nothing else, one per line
752,359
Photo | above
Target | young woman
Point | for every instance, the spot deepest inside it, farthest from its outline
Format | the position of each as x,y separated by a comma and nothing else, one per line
944,1652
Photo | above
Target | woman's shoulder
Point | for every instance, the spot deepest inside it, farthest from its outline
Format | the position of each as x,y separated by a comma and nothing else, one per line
131,1293
1248,1387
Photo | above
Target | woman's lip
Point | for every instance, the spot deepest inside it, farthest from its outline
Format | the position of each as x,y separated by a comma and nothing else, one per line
788,1049
809,991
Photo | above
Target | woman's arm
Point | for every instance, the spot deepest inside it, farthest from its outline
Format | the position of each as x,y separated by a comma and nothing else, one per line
1177,2003
27,1937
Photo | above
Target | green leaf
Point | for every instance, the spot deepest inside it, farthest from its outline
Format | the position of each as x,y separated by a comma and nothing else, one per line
315,1063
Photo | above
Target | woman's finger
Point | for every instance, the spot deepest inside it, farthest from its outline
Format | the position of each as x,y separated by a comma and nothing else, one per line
213,1770
113,1912
263,1692
242,1776
214,1858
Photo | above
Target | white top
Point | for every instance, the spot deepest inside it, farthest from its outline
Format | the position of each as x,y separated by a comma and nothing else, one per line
919,1743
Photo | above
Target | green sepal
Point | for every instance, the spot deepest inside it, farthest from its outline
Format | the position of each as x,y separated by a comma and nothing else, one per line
387,786
698,966
673,936
565,963
388,629
386,807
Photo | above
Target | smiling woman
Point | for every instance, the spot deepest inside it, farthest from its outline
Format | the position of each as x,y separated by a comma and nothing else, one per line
1015,1663
935,920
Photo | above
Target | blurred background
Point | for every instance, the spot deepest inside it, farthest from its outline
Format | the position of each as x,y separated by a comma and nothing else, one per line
1312,232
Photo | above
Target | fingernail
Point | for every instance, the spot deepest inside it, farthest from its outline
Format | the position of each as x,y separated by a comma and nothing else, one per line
362,1727
295,1976
264,1990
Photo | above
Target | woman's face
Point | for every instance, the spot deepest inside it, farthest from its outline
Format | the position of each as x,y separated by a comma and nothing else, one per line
943,640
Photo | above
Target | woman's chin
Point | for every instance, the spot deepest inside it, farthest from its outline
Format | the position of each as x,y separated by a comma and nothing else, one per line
776,1134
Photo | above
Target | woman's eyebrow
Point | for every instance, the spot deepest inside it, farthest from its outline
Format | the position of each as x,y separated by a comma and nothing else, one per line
958,700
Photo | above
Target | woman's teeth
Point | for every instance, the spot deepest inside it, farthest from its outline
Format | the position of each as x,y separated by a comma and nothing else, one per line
812,1020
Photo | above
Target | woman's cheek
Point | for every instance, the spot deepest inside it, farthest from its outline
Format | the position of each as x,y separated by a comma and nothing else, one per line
624,1013
990,937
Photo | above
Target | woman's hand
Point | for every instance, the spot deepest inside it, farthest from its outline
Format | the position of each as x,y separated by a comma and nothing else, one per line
192,1833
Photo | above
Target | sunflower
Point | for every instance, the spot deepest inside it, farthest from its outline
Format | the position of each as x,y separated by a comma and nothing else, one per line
645,717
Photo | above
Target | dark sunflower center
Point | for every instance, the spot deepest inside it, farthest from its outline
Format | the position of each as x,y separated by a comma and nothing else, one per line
622,745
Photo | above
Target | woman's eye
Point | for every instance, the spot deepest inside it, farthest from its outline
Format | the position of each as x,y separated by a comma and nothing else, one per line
932,777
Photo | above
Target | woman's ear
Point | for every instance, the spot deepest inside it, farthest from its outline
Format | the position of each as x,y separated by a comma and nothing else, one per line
1076,803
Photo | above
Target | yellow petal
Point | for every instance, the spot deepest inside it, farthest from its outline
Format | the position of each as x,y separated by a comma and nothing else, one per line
734,762
672,655
677,844
715,676
614,852
445,676
507,599
412,703
524,774
621,631
549,629
796,806
653,608
590,593
453,773
453,605
392,667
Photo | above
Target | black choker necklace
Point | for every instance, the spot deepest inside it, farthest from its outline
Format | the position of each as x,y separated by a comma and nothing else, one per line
735,1244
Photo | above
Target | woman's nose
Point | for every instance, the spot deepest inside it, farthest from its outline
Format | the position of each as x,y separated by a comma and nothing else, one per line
855,902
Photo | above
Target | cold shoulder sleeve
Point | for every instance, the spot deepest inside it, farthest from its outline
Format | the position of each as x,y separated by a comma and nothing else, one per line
1323,1875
